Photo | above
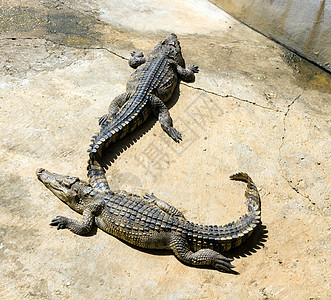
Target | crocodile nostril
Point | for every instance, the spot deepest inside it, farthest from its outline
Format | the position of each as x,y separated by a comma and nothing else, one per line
39,171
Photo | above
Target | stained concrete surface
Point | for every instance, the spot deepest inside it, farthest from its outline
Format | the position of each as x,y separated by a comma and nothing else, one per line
254,107
301,25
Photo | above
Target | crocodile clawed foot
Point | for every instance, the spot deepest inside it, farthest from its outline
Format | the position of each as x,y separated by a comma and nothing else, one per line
137,54
222,263
103,119
60,222
173,133
150,197
106,119
195,69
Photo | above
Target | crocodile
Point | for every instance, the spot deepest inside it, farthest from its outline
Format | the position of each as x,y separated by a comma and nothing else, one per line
150,86
151,223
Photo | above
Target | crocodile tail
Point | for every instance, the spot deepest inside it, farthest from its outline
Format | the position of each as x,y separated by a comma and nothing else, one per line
225,237
252,194
235,233
126,122
96,175
101,140
108,135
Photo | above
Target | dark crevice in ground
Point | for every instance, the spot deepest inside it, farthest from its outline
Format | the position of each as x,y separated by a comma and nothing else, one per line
231,96
89,48
284,124
110,51
294,188
20,38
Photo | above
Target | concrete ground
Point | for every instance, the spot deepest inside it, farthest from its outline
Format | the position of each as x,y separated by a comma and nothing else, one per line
254,108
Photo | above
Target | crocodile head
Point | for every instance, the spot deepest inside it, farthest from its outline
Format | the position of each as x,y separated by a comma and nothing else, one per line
171,46
69,189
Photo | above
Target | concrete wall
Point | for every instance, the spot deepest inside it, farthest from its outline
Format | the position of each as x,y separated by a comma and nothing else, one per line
302,25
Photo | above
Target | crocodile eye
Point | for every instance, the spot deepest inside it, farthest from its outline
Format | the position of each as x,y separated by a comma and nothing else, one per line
75,189
69,181
88,192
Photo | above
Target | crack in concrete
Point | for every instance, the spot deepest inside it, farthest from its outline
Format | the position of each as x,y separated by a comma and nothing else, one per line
231,96
294,188
284,122
20,38
88,48
110,51
289,182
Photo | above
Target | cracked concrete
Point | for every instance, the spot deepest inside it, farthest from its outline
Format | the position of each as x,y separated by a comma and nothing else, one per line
254,107
230,96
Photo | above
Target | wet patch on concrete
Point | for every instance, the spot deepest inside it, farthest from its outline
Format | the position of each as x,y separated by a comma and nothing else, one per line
65,26
72,29
36,40
307,74
18,19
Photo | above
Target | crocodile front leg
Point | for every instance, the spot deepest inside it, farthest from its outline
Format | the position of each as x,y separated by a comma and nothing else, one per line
187,74
162,113
114,107
166,207
137,58
203,257
79,228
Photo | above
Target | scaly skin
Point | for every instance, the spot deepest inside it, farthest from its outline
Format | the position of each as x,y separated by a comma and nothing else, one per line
152,84
151,223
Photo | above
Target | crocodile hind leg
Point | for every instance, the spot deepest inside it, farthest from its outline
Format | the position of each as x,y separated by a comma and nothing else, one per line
203,257
114,107
137,58
161,111
166,207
